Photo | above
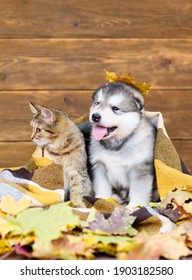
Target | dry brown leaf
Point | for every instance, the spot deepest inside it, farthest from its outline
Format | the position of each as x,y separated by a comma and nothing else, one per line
180,199
141,252
168,245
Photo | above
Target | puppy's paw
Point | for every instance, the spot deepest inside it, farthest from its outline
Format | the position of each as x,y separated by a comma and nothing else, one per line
132,208
167,225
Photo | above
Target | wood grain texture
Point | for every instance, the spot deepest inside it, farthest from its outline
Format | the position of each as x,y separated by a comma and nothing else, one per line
85,18
176,107
184,149
55,64
54,52
15,154
18,153
15,115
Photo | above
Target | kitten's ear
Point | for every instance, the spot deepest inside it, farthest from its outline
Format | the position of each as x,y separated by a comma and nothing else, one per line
48,115
34,108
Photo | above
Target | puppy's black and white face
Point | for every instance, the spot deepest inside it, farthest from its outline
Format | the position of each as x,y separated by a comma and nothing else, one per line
116,111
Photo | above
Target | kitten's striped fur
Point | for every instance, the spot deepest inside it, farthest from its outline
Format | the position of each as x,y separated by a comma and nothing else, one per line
63,143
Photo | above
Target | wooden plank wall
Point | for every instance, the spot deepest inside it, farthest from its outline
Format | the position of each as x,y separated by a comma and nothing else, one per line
54,52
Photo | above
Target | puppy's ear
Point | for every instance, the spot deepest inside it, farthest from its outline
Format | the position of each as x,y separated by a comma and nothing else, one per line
138,100
138,103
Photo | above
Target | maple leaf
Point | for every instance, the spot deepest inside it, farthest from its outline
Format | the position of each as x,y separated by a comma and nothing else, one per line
69,247
189,238
46,224
141,252
114,244
118,240
74,246
2,214
12,207
171,212
8,243
168,245
90,218
6,227
4,246
44,250
110,76
182,200
19,250
128,79
119,222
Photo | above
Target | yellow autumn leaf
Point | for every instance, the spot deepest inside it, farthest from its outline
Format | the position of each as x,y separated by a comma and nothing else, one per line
144,87
128,79
12,207
6,227
110,76
183,199
4,246
90,239
2,214
189,238
111,199
180,198
187,188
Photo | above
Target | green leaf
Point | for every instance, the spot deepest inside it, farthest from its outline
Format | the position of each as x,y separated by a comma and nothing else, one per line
114,244
46,224
106,240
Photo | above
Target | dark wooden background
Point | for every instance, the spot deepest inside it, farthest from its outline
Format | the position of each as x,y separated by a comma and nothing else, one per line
54,52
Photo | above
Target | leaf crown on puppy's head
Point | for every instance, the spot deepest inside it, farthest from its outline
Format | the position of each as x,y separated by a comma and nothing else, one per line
128,79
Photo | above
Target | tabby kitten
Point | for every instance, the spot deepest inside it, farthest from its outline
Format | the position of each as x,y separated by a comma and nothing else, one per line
62,142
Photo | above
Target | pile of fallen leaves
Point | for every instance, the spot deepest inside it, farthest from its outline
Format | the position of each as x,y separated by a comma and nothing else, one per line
61,232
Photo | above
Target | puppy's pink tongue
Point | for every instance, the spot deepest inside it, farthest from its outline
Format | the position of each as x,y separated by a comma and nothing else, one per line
99,132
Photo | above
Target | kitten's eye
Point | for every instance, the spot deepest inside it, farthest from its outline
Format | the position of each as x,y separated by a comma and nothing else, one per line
115,109
49,131
38,130
96,103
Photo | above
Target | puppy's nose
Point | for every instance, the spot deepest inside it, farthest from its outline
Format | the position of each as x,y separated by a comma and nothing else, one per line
96,117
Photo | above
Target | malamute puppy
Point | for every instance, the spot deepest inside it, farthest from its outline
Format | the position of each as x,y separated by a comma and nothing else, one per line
122,145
